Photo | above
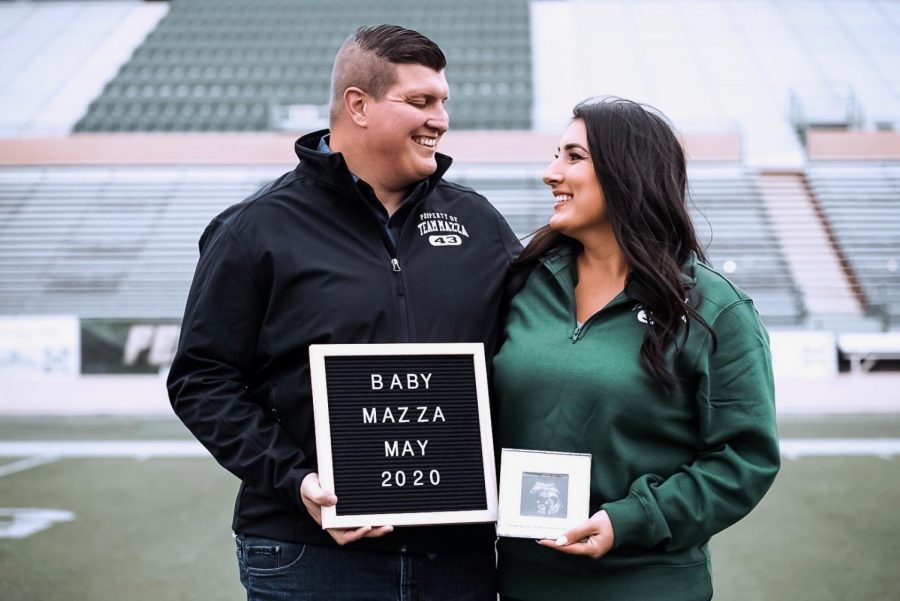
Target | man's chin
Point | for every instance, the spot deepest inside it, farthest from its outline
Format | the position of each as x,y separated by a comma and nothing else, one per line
428,169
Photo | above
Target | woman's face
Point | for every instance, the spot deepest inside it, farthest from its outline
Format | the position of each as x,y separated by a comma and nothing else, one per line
579,205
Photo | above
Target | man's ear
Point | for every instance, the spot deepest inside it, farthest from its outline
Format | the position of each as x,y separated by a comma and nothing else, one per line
356,104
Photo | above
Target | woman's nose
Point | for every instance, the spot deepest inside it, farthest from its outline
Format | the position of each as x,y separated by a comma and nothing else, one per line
552,175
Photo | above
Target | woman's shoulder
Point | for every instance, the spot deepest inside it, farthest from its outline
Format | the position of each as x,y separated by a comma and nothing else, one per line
716,292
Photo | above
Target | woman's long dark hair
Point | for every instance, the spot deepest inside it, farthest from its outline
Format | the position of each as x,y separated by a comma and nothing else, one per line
641,168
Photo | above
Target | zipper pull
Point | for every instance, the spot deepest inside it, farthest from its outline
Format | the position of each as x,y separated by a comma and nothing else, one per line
395,264
575,333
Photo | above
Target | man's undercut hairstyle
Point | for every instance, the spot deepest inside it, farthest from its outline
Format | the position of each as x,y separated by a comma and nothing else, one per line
367,58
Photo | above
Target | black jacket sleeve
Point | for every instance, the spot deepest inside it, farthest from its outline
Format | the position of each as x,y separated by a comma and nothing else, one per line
208,380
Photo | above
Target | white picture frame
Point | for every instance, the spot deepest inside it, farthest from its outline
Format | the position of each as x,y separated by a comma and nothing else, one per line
542,493
324,436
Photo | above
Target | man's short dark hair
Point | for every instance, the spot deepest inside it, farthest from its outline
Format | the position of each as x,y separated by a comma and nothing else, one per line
367,58
400,46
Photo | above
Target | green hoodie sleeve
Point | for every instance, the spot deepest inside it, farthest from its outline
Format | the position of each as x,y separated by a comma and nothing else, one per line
737,448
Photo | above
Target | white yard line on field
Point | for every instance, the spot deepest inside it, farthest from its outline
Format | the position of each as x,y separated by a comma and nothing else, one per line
26,464
39,452
138,449
793,448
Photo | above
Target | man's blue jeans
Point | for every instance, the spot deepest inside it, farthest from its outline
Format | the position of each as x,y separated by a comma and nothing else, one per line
279,571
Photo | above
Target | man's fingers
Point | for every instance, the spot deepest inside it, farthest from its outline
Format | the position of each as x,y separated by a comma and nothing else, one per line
312,490
344,536
326,498
348,535
380,531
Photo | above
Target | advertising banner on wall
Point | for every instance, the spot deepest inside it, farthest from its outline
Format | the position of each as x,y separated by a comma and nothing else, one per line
127,346
803,354
39,345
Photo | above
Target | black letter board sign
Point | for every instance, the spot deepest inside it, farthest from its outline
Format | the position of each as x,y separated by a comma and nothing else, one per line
403,433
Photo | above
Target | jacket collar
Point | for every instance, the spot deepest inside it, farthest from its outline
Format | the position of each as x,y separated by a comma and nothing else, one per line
331,170
561,263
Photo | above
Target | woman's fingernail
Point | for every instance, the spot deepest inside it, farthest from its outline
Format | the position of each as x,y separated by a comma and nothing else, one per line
562,540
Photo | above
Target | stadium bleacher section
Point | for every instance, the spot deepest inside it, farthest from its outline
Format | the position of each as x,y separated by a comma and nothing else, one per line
231,65
110,243
121,242
862,206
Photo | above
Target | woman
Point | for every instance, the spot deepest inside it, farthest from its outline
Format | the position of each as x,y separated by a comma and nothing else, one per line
622,342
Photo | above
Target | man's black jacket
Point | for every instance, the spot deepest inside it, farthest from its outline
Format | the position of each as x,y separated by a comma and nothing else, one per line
306,261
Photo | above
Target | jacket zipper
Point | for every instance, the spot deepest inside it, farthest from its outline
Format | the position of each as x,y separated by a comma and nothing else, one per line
405,318
393,250
578,331
390,249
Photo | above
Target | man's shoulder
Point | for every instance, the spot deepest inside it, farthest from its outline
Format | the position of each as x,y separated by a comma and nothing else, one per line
289,186
252,209
445,183
456,192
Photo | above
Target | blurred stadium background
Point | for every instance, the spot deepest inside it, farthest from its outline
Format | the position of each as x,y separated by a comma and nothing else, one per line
125,126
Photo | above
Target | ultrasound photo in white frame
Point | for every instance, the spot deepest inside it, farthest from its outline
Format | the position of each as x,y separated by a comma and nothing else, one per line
542,493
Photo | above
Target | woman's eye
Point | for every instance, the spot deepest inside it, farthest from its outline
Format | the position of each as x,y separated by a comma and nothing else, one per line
575,157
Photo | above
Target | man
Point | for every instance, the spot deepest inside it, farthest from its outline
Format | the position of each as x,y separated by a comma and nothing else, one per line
362,243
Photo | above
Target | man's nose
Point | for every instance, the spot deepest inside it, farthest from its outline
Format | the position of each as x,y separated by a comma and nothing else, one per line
439,120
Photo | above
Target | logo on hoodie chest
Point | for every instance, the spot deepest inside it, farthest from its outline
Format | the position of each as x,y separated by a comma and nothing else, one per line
442,229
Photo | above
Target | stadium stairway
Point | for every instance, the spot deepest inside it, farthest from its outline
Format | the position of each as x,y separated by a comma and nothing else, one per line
861,203
811,256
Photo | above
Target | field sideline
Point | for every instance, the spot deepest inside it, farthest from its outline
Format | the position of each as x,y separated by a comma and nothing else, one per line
145,514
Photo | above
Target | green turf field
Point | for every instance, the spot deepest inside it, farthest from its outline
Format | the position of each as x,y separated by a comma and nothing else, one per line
158,529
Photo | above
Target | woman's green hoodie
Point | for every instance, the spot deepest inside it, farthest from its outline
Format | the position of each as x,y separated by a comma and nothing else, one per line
670,470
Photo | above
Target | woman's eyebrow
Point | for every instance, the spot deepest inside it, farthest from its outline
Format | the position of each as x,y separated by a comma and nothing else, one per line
574,145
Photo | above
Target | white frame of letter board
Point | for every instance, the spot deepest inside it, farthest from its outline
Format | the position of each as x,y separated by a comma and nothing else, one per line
330,519
513,464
